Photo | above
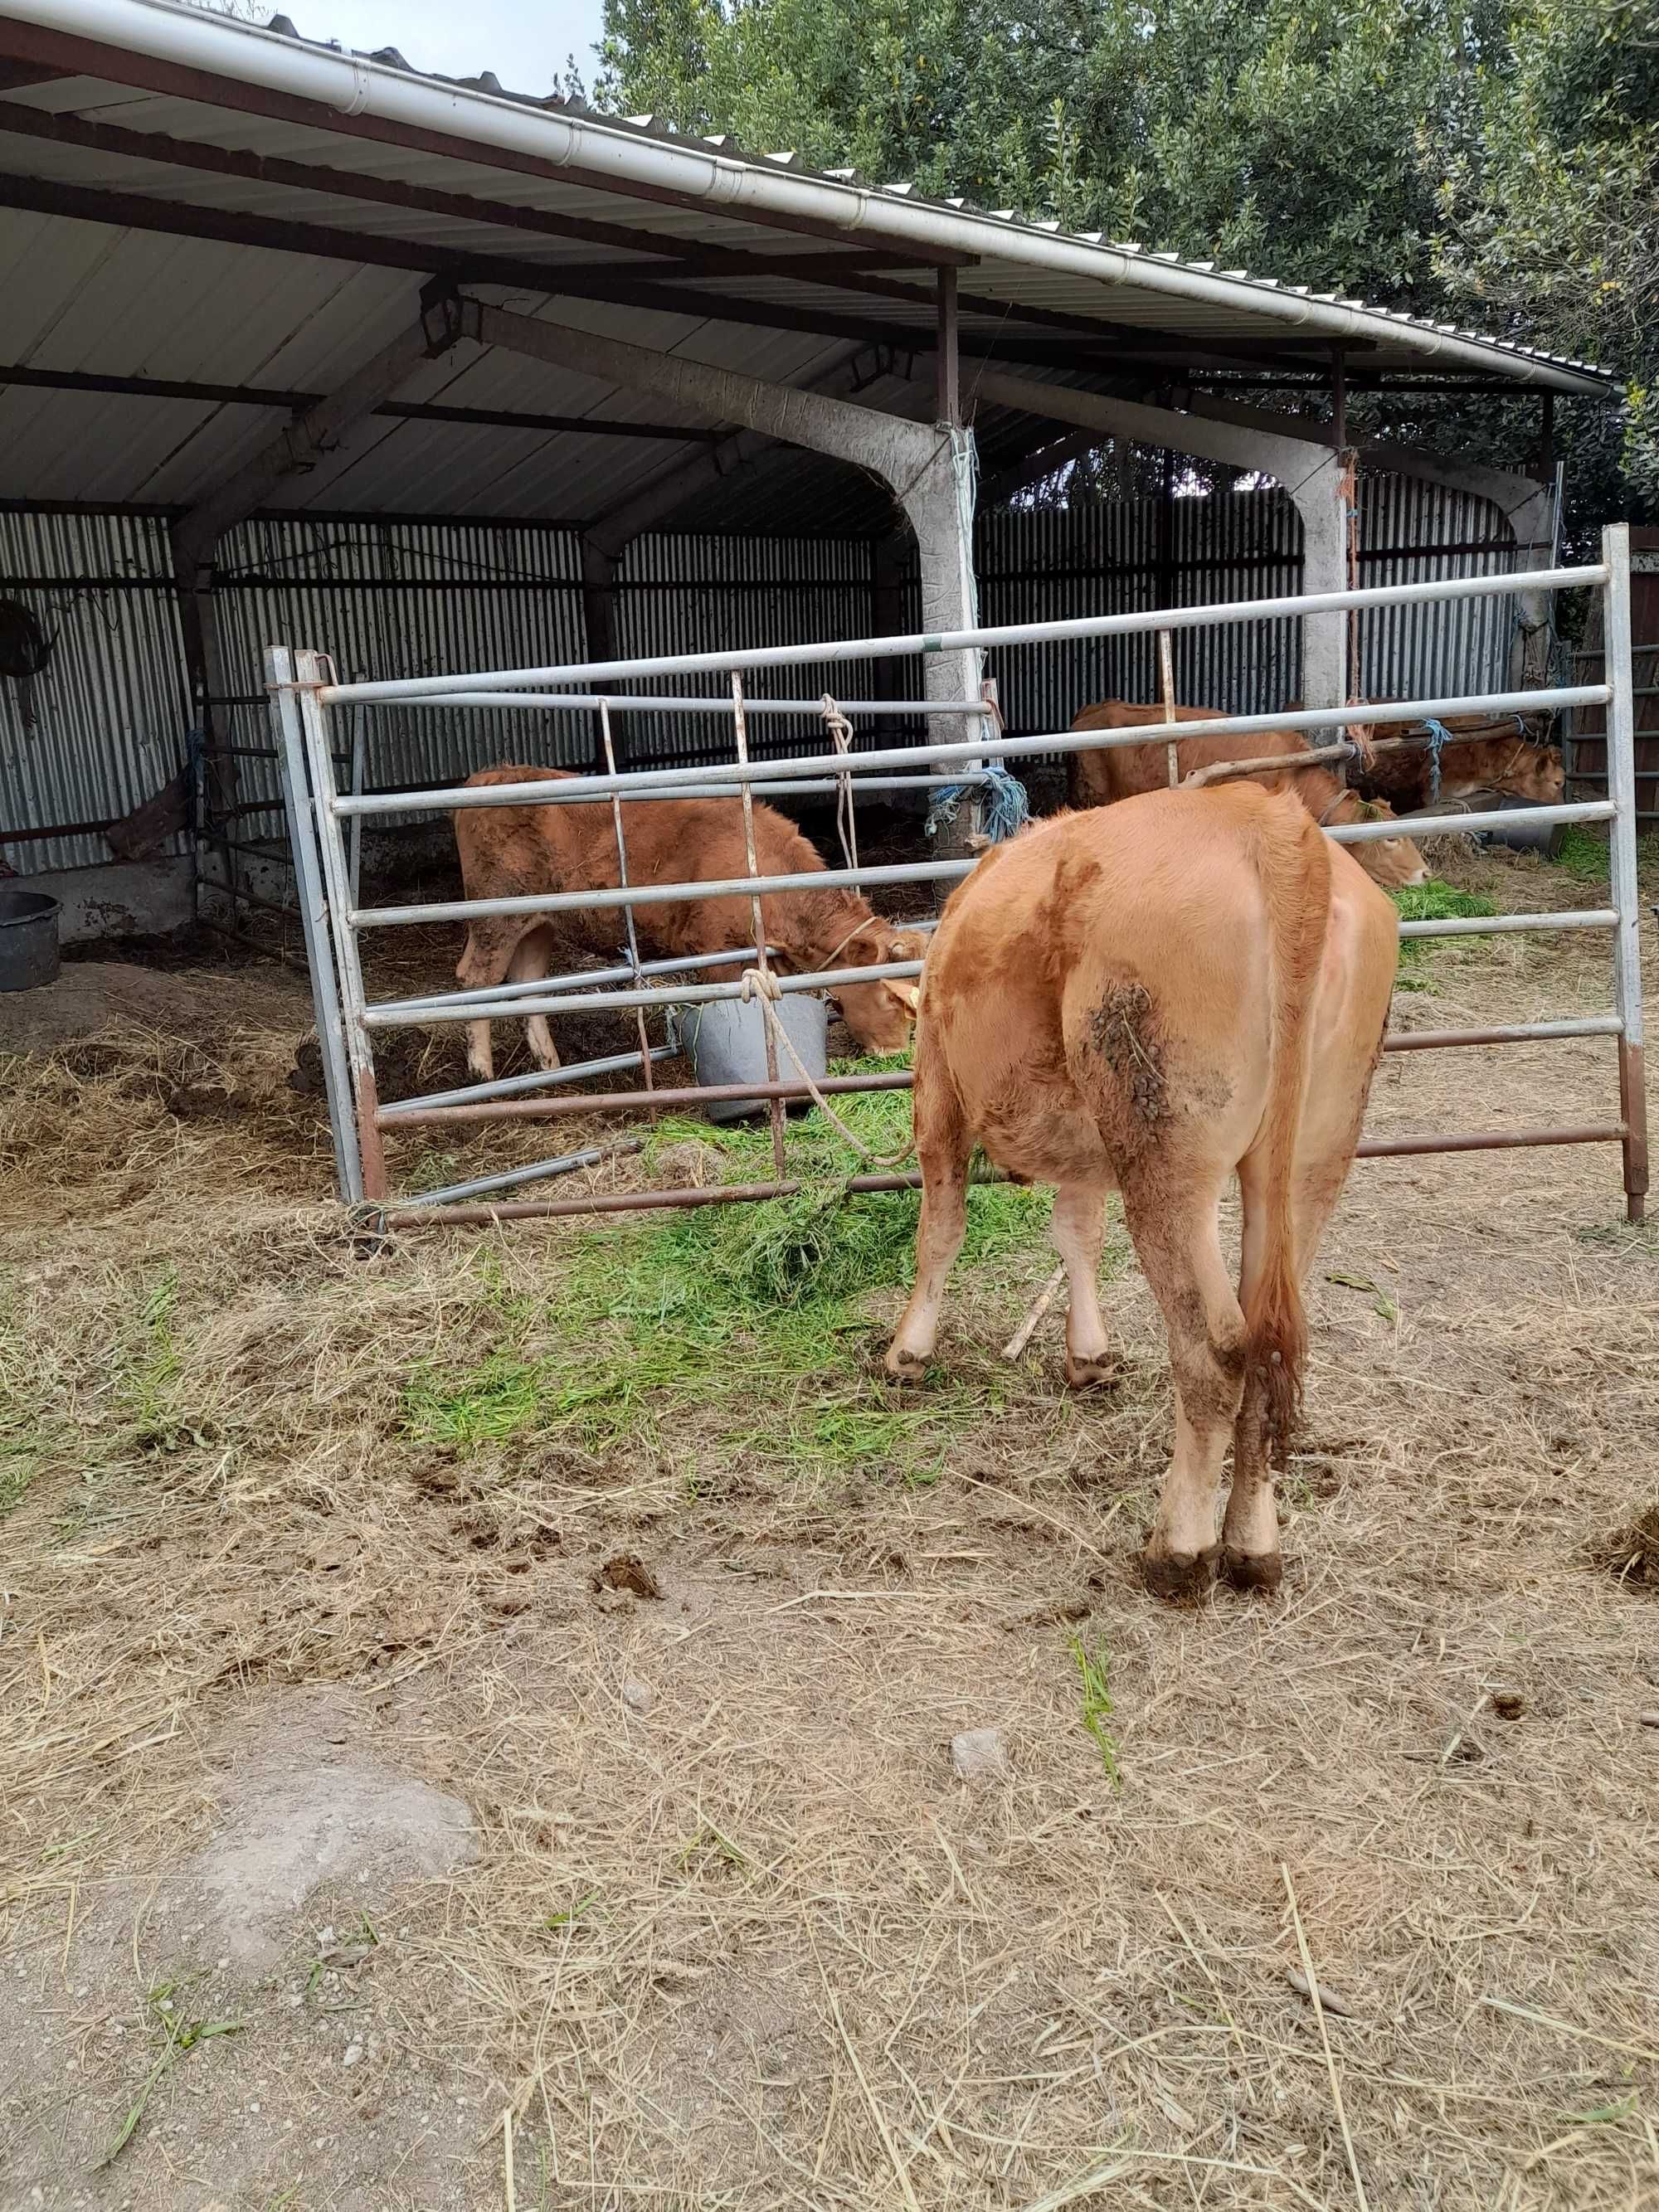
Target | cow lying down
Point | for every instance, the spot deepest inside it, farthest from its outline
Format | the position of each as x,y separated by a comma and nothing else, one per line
509,852
1097,779
1152,997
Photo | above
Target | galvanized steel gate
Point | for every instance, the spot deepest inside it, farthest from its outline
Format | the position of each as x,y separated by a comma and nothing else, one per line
306,700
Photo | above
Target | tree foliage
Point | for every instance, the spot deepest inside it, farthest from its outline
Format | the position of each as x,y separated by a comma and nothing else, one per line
1493,161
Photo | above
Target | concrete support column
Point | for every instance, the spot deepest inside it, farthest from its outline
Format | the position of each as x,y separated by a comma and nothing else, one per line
928,466
1320,483
1526,504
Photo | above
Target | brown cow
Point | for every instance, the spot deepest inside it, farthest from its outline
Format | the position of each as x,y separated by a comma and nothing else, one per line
1152,997
1097,779
1484,753
510,851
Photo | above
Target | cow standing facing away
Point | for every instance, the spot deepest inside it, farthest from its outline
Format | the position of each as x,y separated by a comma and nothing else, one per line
1097,778
1152,997
509,852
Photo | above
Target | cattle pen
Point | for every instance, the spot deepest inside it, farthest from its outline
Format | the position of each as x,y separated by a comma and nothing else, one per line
306,694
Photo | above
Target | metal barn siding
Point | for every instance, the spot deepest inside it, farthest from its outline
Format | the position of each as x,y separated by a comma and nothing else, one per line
692,594
111,710
392,599
1045,564
1410,532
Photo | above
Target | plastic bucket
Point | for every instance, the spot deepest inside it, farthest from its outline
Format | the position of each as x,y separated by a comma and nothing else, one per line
727,1040
28,939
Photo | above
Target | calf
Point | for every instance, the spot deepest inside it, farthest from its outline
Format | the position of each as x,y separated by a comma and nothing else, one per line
1478,754
510,851
1153,997
1097,779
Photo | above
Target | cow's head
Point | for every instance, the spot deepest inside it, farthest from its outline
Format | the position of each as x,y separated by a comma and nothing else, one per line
1393,862
1533,772
880,1014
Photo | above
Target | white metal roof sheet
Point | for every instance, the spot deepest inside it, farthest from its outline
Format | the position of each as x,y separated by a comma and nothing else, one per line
93,296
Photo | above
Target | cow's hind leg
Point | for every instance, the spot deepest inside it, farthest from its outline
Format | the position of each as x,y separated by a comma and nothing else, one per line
1332,1114
942,1147
485,961
1078,1231
529,964
1171,1208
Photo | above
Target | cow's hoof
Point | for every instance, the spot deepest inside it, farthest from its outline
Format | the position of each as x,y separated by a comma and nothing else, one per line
1253,1570
908,1367
1090,1374
1179,1581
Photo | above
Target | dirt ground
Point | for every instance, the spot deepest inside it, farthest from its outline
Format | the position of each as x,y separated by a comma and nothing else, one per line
436,1773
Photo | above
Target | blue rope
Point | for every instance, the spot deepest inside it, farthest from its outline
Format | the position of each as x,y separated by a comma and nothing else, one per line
1005,810
1439,736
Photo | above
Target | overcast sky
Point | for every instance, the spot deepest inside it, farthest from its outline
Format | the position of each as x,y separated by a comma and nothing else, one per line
526,42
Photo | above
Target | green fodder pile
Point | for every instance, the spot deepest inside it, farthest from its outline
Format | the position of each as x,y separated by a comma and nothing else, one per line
753,1318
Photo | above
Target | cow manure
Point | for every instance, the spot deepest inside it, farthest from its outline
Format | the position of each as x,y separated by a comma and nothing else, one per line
628,1572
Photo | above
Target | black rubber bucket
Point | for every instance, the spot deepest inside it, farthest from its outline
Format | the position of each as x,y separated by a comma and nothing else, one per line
28,939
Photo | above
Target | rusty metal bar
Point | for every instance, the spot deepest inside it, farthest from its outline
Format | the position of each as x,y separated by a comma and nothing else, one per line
1592,1025
628,1201
1489,1141
412,1114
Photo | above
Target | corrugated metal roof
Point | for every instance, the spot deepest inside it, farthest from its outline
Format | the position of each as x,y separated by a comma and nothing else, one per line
95,296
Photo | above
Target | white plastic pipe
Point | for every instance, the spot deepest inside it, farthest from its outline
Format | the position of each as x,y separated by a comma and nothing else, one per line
614,156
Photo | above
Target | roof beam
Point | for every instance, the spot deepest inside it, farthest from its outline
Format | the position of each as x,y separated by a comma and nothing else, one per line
407,410
1036,468
156,146
171,218
302,444
612,530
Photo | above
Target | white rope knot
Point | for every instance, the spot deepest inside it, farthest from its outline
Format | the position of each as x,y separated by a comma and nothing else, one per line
761,983
841,730
841,736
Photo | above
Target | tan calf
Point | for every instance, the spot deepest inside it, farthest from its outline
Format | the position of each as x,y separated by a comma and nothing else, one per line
1153,997
510,851
1099,779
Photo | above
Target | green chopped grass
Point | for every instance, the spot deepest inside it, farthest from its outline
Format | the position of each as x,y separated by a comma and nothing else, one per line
756,1315
1583,853
1094,1671
1430,902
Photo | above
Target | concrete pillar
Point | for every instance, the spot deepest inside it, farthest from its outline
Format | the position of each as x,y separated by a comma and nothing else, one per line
929,466
1526,504
1320,484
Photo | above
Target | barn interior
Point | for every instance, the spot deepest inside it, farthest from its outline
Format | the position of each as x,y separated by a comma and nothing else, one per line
304,348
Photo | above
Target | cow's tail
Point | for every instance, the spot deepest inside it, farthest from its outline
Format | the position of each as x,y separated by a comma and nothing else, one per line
1296,874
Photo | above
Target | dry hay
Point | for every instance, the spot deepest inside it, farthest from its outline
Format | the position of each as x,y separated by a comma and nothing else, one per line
737,1935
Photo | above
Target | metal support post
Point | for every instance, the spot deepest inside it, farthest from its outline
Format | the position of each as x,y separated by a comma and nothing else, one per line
1621,848
303,843
313,670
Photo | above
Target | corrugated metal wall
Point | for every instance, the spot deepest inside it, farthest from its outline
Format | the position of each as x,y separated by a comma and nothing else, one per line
391,599
112,710
687,594
1047,565
396,599
1451,645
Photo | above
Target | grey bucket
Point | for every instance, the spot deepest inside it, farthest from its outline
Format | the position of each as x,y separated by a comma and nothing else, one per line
28,939
727,1040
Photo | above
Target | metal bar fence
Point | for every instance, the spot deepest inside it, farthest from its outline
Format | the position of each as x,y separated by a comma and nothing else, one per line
305,696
